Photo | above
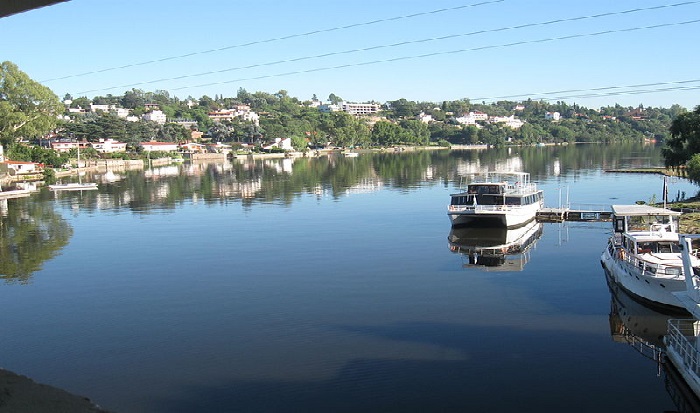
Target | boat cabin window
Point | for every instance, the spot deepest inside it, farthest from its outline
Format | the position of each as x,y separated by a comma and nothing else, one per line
644,222
619,225
654,247
485,189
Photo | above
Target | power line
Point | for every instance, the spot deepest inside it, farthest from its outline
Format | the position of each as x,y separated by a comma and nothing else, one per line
597,89
404,43
426,55
276,39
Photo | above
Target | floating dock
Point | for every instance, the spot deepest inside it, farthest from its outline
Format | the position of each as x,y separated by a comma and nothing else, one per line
594,214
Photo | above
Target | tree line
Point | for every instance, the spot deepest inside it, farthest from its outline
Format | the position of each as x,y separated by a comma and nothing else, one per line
29,110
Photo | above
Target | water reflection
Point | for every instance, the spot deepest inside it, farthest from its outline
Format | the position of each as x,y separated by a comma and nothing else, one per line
643,328
495,248
30,234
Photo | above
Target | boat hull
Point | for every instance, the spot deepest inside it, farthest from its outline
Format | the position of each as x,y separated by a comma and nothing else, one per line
656,291
73,187
508,217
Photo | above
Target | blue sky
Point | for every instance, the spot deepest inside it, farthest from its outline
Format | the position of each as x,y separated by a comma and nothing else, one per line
593,53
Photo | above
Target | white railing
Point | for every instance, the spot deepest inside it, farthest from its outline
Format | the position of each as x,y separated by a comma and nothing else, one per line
654,269
681,337
484,208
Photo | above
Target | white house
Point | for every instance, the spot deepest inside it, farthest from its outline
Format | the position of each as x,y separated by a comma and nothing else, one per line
285,144
239,111
328,108
156,116
102,108
109,146
510,121
552,116
2,154
21,167
425,118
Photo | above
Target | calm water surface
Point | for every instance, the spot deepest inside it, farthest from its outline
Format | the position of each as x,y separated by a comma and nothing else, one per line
325,285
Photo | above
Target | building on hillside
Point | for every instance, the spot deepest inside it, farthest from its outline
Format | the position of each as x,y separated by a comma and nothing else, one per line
242,112
159,146
21,167
425,118
186,123
109,146
151,106
359,108
285,144
2,154
65,146
555,116
102,108
510,121
328,108
156,116
122,112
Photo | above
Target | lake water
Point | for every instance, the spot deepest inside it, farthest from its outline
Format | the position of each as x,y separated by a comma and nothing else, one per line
325,284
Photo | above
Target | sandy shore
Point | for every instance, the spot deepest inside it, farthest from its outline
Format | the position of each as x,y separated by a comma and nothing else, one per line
20,394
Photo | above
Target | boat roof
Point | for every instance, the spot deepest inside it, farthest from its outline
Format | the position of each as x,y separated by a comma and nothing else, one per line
641,210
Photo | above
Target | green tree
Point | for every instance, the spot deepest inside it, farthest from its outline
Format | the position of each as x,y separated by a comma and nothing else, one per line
27,108
685,139
693,168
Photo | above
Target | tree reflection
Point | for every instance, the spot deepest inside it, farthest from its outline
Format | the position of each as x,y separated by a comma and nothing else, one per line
30,234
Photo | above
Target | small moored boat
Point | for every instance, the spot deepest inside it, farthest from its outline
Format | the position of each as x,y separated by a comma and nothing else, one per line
74,186
643,254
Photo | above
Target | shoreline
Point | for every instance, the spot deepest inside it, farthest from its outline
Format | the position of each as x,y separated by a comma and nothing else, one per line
20,394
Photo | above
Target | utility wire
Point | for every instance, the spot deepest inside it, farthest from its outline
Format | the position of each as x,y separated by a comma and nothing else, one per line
598,89
276,39
426,55
404,43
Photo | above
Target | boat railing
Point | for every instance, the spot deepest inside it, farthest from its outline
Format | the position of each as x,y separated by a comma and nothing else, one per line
681,337
484,208
645,267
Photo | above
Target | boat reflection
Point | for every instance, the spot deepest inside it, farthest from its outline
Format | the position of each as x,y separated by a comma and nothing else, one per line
495,248
643,327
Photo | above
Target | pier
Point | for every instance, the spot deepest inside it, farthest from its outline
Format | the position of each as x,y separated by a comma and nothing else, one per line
576,213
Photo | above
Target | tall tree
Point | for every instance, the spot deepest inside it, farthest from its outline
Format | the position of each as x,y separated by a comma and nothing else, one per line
27,108
685,139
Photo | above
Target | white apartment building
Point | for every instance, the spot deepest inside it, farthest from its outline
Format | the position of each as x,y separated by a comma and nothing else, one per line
359,108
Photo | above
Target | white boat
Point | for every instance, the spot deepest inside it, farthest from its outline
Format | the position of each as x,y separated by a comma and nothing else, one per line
643,254
506,199
682,338
495,248
351,154
14,193
75,186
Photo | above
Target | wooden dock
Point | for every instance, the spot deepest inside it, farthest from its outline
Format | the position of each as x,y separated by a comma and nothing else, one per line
599,214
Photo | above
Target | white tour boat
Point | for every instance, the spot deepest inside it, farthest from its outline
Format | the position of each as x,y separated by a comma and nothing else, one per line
506,199
682,338
643,254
